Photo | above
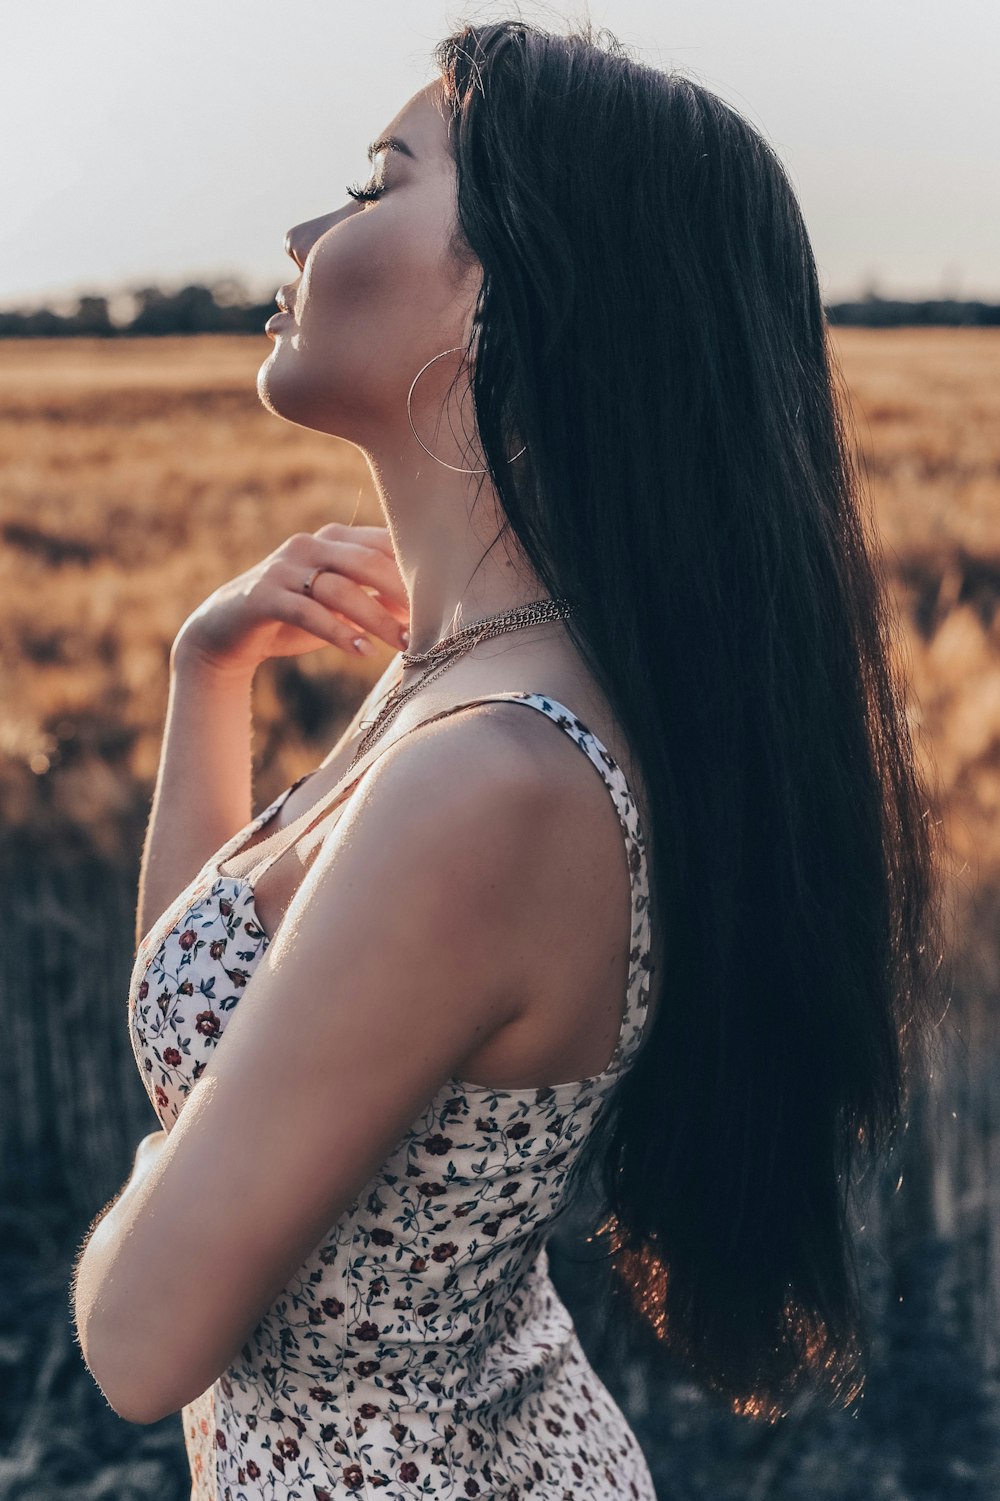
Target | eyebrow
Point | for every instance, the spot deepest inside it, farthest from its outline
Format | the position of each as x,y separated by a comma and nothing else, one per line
389,143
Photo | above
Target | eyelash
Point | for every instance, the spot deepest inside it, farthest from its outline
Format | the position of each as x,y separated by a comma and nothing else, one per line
367,194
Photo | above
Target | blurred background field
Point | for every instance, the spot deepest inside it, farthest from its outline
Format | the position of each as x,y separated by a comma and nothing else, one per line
139,474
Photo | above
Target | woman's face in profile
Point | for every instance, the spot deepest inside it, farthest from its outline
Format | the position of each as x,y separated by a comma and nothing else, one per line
378,295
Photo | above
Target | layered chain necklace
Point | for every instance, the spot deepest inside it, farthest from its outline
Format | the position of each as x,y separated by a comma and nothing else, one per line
452,647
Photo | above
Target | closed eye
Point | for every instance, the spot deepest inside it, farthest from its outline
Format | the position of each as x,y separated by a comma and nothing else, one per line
367,194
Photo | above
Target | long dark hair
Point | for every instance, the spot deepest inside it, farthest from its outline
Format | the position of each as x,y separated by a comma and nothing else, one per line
650,324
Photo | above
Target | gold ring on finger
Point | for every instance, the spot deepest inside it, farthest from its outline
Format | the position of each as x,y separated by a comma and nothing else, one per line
307,586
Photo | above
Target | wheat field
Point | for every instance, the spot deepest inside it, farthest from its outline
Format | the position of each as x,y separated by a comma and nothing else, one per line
139,474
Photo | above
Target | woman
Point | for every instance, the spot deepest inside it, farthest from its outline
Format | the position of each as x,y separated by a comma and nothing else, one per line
575,309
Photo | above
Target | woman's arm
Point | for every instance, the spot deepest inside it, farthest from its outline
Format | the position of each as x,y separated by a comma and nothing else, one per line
90,1266
203,787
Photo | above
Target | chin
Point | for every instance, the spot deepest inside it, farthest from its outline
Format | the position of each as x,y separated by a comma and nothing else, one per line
265,384
276,388
286,390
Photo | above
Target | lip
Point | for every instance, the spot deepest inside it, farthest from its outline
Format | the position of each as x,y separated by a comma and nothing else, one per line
275,321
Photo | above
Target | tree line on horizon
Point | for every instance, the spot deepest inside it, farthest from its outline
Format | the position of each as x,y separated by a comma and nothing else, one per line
226,308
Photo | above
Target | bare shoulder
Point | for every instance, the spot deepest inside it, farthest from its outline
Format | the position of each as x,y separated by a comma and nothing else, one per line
500,757
507,796
452,815
481,758
546,876
497,800
501,793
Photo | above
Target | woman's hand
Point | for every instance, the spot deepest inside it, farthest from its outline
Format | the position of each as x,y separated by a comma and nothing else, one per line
263,612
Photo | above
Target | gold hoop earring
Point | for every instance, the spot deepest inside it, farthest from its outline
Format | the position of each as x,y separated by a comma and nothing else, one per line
459,468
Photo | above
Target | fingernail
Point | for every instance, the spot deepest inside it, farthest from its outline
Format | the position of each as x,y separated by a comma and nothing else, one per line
364,646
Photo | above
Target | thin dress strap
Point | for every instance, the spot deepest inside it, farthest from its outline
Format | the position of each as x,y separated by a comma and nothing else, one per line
250,864
632,1029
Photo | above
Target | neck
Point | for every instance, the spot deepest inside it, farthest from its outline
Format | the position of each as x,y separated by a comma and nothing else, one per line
445,539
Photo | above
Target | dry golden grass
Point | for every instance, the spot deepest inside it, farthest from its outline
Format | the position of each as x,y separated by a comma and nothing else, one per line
926,412
138,474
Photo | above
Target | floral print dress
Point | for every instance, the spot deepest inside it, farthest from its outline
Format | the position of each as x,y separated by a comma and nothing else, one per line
421,1350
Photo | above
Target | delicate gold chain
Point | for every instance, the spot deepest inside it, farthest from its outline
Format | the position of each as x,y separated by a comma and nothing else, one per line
449,649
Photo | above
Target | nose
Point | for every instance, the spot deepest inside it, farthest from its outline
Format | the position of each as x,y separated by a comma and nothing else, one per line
292,246
301,237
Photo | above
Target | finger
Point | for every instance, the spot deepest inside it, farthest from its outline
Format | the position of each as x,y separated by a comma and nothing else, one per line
366,568
307,614
371,536
399,610
337,592
344,554
368,538
369,568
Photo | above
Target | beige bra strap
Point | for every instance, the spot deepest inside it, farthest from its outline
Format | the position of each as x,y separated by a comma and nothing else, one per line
253,861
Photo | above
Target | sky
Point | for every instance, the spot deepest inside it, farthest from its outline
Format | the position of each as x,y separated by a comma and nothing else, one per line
155,143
